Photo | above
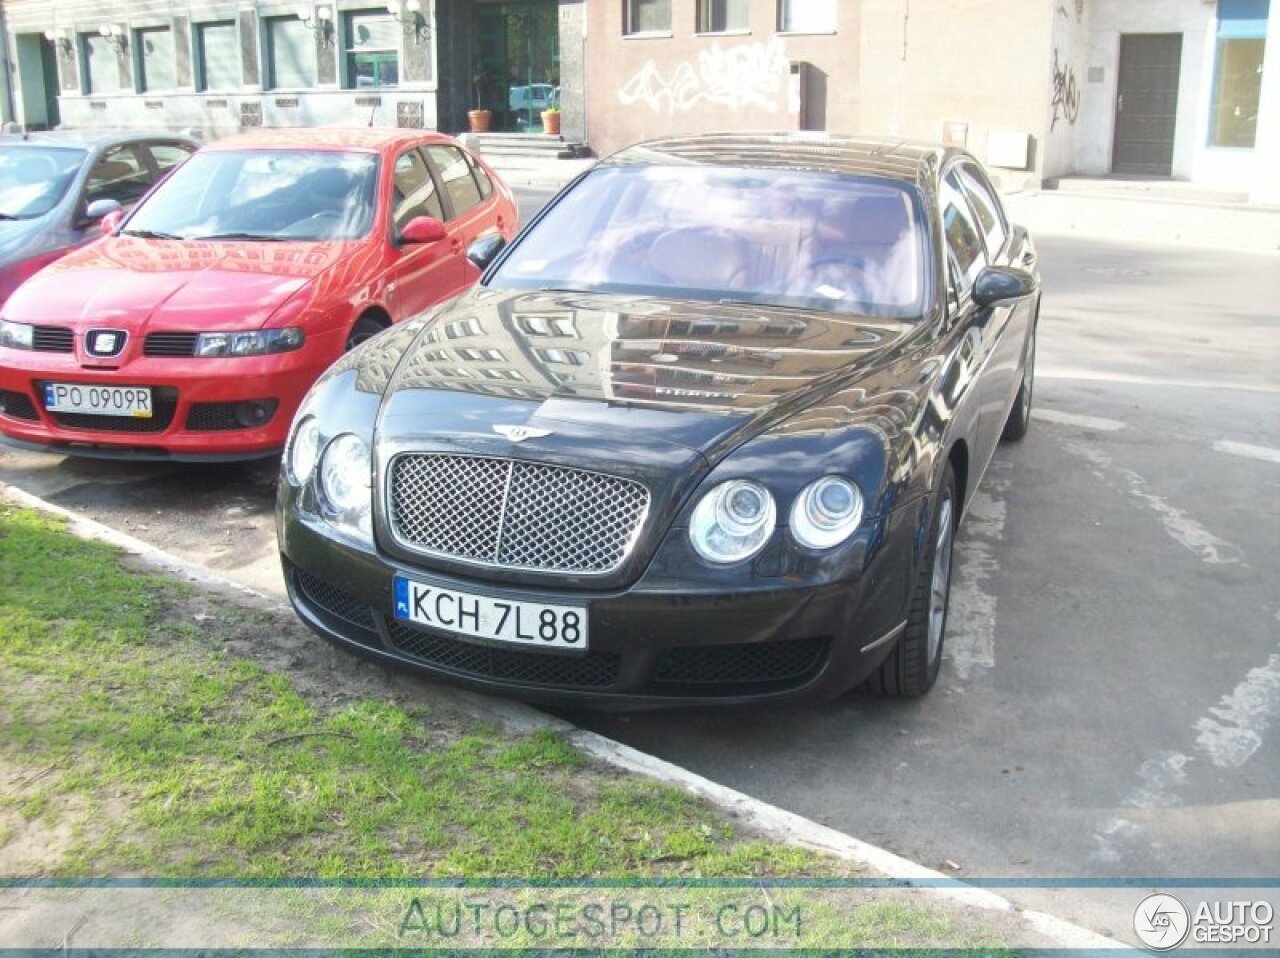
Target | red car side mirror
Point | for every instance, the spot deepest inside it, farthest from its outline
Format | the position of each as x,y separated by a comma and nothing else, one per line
423,229
111,222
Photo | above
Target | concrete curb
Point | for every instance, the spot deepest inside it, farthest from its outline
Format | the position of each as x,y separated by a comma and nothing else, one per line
769,820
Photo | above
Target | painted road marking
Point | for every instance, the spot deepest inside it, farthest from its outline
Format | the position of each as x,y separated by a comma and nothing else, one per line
1073,419
1232,732
1181,527
1092,375
1246,450
971,619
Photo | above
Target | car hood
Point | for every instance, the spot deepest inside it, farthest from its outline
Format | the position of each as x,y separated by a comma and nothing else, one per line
613,372
176,285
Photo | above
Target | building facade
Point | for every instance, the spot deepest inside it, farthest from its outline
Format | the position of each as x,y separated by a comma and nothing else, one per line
1038,89
223,65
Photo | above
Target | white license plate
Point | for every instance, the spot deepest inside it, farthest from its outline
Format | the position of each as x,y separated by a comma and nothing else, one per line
484,617
134,401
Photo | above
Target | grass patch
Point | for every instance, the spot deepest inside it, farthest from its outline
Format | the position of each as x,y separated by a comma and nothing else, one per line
133,744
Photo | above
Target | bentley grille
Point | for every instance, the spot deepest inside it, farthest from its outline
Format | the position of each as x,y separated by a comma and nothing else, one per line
513,514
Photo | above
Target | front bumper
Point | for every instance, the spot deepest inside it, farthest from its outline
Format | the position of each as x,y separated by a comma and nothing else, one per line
195,402
650,648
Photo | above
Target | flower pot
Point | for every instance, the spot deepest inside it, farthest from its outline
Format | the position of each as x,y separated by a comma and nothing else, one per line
480,120
551,122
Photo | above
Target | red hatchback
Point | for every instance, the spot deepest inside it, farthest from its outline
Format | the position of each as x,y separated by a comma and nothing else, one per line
195,328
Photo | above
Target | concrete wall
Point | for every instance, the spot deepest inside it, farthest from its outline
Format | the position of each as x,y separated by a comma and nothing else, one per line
685,82
969,67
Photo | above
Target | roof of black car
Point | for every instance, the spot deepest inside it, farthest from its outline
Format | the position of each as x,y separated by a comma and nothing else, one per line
861,156
90,138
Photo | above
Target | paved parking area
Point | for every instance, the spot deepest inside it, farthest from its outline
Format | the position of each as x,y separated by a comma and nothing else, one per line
1112,685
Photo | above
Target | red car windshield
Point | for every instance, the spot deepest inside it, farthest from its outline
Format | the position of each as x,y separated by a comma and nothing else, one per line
264,195
793,238
34,178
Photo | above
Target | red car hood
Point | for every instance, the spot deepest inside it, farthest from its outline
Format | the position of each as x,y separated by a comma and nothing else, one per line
210,286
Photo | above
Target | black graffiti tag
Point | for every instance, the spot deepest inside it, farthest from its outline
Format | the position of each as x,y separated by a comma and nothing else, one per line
1066,94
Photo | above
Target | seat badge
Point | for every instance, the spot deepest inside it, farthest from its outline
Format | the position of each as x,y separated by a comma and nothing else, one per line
105,343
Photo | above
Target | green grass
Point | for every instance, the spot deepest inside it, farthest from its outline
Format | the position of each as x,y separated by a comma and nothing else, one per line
127,729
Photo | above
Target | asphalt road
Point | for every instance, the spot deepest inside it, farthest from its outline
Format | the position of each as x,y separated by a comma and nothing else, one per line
1113,660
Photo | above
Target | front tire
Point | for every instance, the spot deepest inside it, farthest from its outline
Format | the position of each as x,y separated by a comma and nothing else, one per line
912,667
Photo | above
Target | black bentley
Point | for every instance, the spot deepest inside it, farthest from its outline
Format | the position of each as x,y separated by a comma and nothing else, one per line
703,433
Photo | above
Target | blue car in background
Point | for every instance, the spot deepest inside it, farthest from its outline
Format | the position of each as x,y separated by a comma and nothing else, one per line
55,189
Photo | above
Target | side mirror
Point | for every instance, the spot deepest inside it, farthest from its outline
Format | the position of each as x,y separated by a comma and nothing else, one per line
111,222
100,208
1000,284
483,251
423,229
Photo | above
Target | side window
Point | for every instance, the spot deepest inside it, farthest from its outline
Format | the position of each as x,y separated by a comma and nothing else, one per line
963,240
415,191
482,178
118,175
986,206
455,175
169,155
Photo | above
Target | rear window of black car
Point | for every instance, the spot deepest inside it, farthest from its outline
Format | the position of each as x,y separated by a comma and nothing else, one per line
775,237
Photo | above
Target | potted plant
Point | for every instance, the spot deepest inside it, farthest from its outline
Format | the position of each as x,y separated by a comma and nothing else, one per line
551,121
479,119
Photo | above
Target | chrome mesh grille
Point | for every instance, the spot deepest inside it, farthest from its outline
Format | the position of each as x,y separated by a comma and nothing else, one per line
514,514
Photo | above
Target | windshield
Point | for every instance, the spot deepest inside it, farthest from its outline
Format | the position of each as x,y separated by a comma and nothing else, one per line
263,195
33,179
776,237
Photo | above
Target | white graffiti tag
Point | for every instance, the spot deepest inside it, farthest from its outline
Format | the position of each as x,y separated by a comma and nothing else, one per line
753,75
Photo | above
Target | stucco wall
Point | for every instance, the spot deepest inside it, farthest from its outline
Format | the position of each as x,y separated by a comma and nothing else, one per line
1108,19
682,82
982,64
1068,85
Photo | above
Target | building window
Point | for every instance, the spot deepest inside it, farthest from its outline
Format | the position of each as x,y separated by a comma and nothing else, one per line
219,55
1237,75
372,40
155,59
723,16
291,54
807,16
647,16
101,65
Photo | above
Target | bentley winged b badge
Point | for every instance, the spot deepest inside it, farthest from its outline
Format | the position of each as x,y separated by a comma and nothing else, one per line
521,433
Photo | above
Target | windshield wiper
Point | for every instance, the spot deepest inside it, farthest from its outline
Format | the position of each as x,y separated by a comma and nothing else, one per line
150,234
255,237
9,216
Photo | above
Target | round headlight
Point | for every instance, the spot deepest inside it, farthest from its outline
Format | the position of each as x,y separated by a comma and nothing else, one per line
345,476
732,522
304,450
826,512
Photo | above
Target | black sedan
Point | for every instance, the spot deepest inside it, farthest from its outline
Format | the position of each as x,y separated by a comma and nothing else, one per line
703,433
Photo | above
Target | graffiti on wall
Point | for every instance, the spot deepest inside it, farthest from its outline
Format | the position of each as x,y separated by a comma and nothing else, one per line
1066,94
749,76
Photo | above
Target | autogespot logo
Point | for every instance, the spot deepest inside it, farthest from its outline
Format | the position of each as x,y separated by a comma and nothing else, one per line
1161,922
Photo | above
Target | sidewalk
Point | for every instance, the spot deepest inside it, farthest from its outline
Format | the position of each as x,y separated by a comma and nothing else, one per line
1111,214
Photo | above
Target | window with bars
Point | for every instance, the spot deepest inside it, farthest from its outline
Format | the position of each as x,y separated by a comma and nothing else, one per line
218,55
155,59
723,16
372,40
291,53
646,16
807,16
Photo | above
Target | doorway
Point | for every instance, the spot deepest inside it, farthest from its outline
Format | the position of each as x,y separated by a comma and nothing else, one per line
518,65
38,76
1147,103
